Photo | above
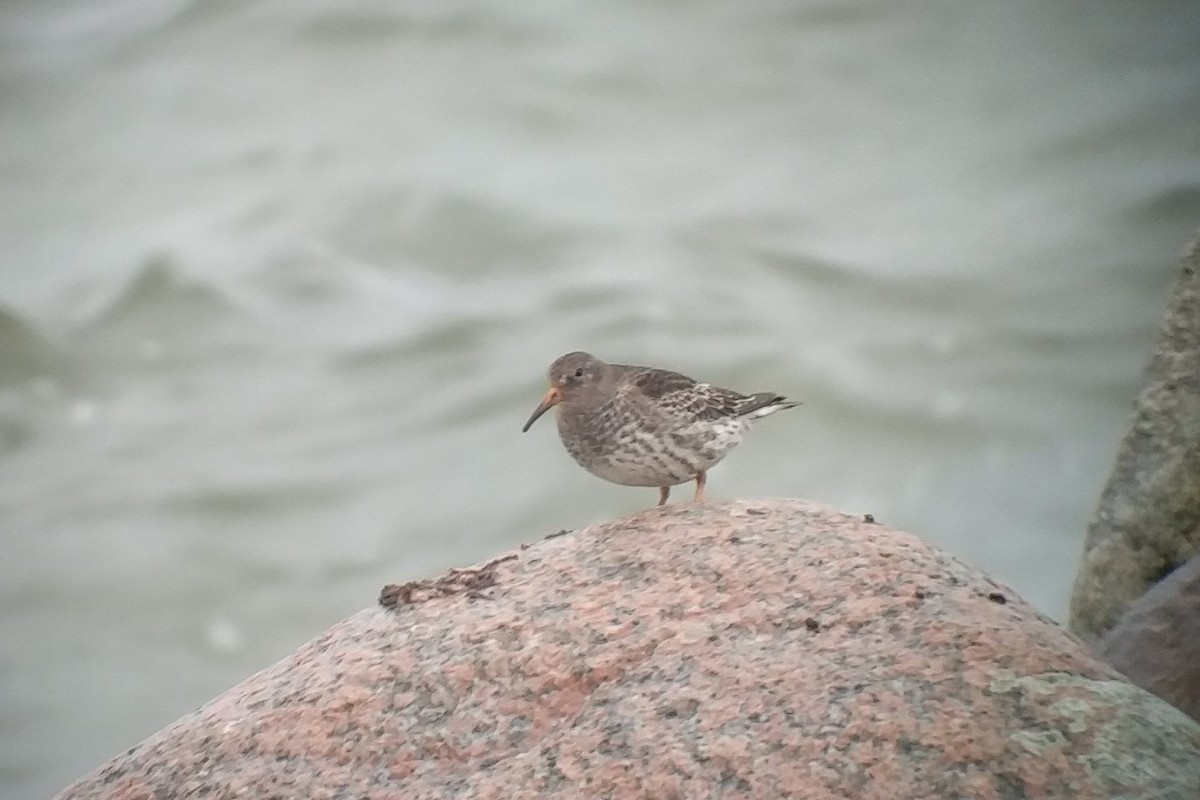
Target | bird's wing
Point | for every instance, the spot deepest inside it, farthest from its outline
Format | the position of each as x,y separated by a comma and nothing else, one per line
658,383
681,397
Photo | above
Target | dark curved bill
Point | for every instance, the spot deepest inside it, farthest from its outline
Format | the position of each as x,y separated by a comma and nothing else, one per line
550,400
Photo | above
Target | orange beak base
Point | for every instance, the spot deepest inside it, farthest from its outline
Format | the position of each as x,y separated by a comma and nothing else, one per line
550,400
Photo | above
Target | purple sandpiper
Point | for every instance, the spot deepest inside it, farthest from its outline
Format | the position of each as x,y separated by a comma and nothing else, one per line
641,426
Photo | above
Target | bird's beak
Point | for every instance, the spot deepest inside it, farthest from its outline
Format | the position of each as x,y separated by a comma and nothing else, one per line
550,400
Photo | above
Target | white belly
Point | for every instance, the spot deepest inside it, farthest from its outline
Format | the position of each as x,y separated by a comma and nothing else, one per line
664,459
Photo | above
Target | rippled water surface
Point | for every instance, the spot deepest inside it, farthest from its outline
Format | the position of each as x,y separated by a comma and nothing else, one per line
279,282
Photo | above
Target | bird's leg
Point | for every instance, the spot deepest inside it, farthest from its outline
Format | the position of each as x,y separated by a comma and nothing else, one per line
701,479
663,493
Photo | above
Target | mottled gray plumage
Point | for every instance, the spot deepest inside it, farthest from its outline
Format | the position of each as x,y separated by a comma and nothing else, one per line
640,426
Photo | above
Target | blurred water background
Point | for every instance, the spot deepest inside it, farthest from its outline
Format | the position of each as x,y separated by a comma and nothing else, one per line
279,282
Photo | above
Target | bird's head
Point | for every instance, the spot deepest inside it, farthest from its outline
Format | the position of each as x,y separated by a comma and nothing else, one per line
572,378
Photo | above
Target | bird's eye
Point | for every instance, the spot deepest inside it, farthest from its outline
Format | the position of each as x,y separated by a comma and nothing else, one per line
579,372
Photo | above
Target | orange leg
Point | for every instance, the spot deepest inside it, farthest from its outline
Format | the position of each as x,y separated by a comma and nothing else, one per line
663,493
701,479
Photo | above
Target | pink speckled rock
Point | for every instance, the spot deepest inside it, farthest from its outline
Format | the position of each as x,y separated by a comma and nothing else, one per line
754,649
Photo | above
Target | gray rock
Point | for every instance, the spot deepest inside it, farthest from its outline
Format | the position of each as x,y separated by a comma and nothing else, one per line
1157,644
1147,522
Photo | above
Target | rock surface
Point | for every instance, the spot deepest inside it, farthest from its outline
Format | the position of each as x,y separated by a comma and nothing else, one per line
1147,522
752,649
1157,644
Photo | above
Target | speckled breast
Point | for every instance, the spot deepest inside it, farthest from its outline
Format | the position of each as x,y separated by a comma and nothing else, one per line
632,451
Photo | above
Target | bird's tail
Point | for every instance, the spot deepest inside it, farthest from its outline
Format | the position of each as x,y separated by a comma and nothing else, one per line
764,404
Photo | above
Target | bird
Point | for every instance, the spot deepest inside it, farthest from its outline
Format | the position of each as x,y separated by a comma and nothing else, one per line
643,426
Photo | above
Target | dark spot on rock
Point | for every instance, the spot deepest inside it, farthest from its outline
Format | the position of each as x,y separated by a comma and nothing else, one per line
756,512
735,539
1010,787
919,594
562,532
394,595
683,707
735,783
1164,571
998,598
869,519
812,625
470,581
